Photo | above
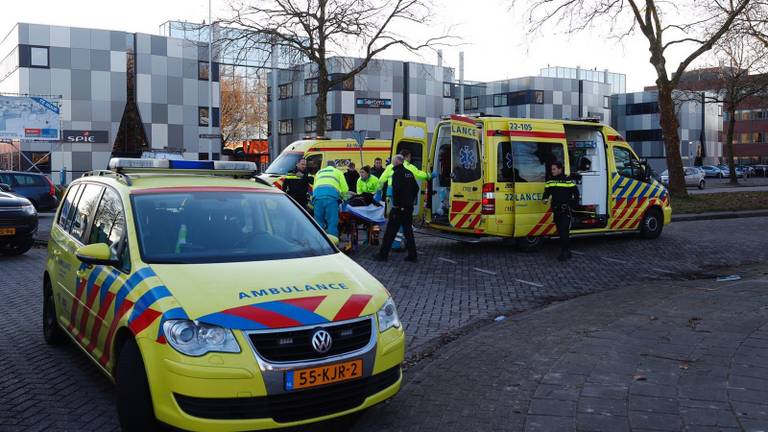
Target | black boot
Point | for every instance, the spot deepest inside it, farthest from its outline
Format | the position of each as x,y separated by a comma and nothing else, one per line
379,257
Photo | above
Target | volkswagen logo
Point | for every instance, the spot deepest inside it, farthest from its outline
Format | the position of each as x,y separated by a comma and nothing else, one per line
322,341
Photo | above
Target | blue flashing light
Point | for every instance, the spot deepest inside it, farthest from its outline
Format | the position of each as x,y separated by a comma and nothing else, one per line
191,164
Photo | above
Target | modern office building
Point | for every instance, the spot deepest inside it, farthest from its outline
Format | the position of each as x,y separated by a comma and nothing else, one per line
386,90
750,140
541,97
132,91
636,117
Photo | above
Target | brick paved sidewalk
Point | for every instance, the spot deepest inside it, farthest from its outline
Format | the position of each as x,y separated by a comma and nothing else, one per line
677,356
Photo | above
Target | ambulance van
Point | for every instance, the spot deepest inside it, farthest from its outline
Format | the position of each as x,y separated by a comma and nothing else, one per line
319,151
488,176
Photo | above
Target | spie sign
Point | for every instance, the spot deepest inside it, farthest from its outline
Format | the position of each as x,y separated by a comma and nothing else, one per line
86,136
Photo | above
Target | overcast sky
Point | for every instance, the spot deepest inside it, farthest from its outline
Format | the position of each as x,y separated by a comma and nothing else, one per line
496,44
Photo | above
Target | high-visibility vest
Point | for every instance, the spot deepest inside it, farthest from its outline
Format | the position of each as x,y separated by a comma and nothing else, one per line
371,185
330,177
386,177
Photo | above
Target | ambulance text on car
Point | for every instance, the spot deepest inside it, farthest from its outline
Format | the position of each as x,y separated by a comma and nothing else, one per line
489,175
213,301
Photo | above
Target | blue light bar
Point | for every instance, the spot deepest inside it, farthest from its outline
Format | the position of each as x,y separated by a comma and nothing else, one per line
191,164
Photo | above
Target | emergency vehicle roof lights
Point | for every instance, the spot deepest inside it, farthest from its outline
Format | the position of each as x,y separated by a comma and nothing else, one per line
225,167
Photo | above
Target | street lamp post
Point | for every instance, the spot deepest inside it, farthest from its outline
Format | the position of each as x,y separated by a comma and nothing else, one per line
210,82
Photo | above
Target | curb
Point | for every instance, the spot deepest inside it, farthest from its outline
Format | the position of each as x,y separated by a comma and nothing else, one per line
688,217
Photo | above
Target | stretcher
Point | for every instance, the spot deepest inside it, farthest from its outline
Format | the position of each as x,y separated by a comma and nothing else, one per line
353,219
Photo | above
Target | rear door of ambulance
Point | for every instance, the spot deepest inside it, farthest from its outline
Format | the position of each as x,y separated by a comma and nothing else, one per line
412,135
466,174
535,146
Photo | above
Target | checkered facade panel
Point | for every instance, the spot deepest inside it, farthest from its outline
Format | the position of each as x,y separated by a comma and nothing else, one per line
88,69
636,117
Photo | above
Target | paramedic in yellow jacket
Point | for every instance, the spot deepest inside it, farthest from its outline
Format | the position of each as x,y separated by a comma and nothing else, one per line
329,189
386,177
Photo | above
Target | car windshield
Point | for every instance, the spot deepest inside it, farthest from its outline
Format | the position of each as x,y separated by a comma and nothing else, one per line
284,163
229,226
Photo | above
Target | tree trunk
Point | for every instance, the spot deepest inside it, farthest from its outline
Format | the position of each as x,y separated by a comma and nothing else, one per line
669,125
321,103
729,142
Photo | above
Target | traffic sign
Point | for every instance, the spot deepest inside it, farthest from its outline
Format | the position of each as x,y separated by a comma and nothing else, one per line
359,136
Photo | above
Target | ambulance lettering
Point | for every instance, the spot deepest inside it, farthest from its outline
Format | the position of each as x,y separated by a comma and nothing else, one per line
291,289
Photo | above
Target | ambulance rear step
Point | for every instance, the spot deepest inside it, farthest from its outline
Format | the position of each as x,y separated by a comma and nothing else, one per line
447,235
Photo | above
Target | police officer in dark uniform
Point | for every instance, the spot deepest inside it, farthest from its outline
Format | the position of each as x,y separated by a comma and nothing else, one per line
564,194
297,184
405,190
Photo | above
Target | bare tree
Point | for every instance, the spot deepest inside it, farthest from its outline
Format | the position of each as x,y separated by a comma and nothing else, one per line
740,77
320,29
693,24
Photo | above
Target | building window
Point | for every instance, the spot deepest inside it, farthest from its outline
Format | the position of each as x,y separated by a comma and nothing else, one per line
38,57
328,122
720,110
310,124
286,91
310,86
538,97
500,99
285,127
203,70
471,103
447,89
269,94
606,102
642,108
346,85
202,116
348,122
644,135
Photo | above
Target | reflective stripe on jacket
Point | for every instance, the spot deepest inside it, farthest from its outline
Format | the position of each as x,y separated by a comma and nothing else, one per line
330,182
386,177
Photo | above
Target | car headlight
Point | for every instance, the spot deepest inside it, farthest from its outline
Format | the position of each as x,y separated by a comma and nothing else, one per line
28,209
195,339
388,316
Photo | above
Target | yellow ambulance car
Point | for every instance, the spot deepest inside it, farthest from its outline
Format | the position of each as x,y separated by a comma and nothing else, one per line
214,302
489,175
319,151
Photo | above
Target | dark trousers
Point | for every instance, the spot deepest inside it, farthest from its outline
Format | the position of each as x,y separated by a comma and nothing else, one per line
399,217
563,223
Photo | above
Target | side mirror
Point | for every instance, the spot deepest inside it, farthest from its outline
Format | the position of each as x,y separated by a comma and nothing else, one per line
5,187
96,254
334,239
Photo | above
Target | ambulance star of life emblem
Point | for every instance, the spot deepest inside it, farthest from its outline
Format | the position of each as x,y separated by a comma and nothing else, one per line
467,158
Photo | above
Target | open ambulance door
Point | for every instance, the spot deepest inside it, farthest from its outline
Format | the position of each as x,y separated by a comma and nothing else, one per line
412,135
466,174
535,146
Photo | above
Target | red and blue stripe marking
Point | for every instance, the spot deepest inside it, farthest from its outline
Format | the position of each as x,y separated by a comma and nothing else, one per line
284,313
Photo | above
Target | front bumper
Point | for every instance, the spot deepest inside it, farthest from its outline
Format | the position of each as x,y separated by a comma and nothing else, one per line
236,392
24,224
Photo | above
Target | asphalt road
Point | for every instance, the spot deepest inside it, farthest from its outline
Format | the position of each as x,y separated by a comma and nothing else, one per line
454,289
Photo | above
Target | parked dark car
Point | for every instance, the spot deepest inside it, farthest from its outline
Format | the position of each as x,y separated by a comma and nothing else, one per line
37,188
18,223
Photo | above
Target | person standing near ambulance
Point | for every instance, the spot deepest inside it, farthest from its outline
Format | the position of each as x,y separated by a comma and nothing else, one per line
298,184
562,194
405,191
420,175
329,189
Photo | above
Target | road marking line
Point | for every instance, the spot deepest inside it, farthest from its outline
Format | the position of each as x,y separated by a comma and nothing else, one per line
448,260
530,283
614,260
662,270
484,271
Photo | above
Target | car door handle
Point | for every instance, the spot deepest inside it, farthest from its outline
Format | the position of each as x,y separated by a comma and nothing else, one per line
458,196
474,188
